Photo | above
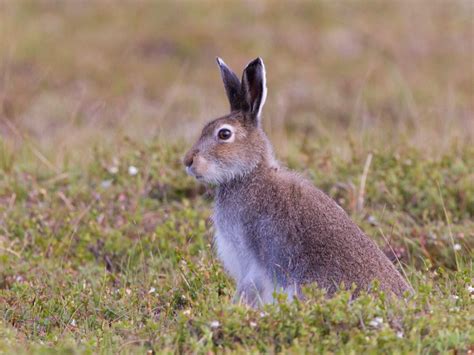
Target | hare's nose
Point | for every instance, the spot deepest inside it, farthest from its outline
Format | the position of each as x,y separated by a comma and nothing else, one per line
188,161
189,158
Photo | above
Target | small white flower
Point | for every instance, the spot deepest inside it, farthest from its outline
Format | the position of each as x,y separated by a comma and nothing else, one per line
106,184
376,322
132,170
400,334
372,220
455,297
73,322
113,170
457,247
253,324
470,289
187,312
152,290
128,291
215,324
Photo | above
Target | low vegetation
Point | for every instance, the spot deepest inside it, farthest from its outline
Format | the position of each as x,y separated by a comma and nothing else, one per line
106,244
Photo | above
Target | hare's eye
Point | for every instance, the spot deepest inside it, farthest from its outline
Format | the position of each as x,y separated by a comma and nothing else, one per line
224,134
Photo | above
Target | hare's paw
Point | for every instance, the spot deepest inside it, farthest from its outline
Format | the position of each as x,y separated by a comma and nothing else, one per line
255,289
253,294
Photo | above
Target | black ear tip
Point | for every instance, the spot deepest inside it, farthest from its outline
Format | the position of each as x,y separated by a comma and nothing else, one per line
256,62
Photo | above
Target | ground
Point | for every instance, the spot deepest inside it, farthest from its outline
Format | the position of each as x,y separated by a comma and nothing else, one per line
106,244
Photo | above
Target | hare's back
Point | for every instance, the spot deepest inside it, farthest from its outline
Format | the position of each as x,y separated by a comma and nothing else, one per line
309,237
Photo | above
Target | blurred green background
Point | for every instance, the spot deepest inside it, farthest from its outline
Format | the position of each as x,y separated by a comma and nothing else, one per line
76,73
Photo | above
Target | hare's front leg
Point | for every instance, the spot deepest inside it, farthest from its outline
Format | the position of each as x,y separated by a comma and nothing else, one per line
255,289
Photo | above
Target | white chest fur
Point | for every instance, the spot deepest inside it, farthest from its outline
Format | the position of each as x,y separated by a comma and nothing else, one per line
231,246
239,260
242,266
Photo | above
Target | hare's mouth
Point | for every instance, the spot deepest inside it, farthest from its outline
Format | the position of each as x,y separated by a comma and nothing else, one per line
190,171
199,178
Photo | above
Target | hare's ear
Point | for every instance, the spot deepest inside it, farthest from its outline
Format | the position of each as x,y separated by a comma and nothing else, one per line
254,88
232,86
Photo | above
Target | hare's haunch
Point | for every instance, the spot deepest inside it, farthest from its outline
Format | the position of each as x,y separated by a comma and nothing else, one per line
274,230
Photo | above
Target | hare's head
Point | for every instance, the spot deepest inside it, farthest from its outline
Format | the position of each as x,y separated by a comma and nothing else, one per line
233,145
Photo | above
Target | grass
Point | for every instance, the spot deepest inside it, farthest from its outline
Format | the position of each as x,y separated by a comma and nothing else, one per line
96,256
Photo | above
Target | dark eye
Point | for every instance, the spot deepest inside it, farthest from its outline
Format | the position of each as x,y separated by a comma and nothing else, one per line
224,134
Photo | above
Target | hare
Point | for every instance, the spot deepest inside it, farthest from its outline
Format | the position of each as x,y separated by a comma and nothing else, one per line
275,231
